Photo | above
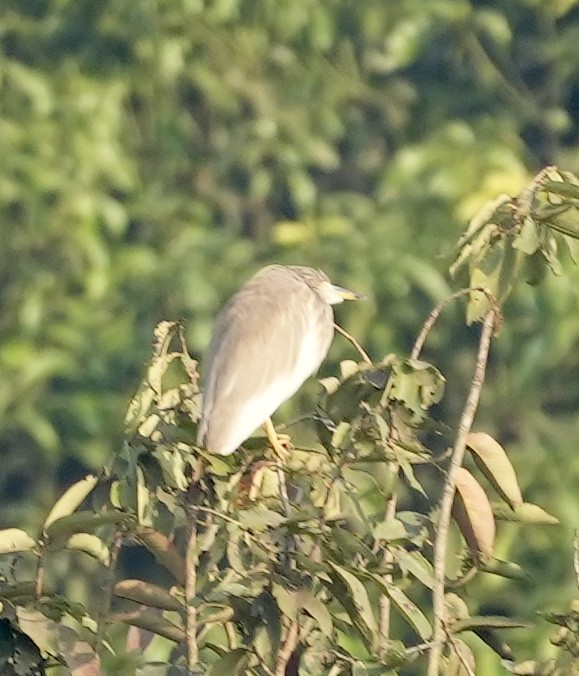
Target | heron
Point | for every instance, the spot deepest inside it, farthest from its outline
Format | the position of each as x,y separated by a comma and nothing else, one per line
270,337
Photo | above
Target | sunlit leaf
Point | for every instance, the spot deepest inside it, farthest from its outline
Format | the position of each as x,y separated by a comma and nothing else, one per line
152,621
70,500
233,663
473,514
410,611
416,564
525,513
15,540
353,596
84,521
90,544
165,552
147,594
492,460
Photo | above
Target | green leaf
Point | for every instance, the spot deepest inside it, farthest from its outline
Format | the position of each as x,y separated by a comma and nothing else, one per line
409,610
165,552
260,518
410,477
353,596
90,544
341,435
486,622
416,564
82,522
459,655
233,663
147,594
492,460
71,500
266,609
527,240
389,530
416,384
479,304
506,569
152,621
317,609
525,513
565,189
15,540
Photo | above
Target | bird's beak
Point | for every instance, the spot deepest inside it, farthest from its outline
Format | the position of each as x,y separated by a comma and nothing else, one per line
346,294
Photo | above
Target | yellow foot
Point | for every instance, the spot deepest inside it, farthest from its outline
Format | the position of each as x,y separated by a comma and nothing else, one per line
281,443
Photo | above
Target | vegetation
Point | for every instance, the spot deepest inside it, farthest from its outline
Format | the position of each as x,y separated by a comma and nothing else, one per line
153,155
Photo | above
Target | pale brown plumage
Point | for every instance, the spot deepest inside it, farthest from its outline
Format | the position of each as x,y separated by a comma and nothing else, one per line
269,338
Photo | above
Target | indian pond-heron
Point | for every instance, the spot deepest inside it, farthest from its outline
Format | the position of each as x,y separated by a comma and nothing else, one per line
269,338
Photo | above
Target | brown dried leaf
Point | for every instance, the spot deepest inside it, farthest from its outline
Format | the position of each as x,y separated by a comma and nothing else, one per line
474,516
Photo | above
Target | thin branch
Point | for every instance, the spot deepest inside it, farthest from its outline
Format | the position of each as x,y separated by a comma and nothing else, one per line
434,315
191,561
39,580
385,604
107,589
288,648
440,545
576,556
458,653
354,342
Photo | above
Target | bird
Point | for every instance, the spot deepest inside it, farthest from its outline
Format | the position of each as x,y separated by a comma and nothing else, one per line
269,338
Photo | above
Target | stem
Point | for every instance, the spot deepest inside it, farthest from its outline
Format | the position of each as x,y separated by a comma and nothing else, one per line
354,342
39,581
441,541
385,604
435,314
287,650
108,584
191,561
576,556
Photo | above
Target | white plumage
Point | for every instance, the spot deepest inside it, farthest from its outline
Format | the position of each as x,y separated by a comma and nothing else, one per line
271,336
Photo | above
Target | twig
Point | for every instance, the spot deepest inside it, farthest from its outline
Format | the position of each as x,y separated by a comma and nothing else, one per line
434,315
108,584
385,604
461,657
191,561
354,342
576,556
440,545
287,650
39,580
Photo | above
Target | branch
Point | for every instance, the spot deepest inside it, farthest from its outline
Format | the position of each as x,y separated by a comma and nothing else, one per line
39,579
108,584
288,648
191,561
435,314
385,603
440,545
354,342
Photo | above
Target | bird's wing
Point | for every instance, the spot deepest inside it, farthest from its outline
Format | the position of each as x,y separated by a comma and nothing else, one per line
265,345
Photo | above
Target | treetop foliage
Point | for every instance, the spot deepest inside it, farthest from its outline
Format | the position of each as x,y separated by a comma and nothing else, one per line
154,154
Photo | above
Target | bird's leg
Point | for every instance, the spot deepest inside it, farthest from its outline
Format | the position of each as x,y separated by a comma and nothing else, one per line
278,442
282,453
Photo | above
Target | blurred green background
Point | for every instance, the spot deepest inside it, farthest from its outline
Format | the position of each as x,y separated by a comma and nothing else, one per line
153,154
